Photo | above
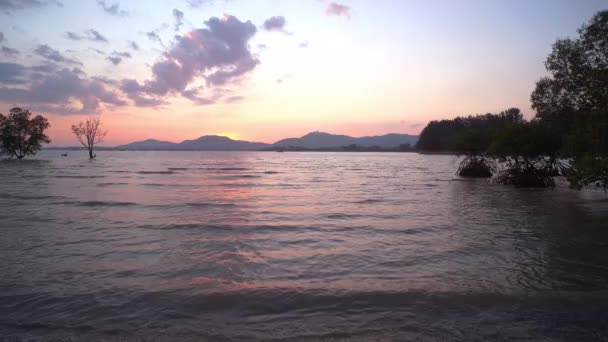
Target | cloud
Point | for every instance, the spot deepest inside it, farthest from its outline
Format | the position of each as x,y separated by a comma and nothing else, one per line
275,24
96,36
62,91
112,9
54,55
114,59
73,36
219,54
12,73
234,99
198,3
14,5
8,52
336,9
1,36
303,44
133,45
117,57
99,52
91,35
153,36
179,18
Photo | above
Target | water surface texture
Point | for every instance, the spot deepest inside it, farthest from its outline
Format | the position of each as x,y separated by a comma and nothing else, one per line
293,246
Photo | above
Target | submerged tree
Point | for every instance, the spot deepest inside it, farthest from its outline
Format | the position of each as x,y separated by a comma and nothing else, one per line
21,135
89,134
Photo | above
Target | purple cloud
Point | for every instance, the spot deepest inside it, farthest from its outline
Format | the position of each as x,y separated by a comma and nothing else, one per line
91,35
58,90
275,24
179,19
133,45
113,9
8,52
336,9
14,5
12,73
218,54
49,53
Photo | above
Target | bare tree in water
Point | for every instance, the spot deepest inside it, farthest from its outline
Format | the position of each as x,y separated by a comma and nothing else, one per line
89,134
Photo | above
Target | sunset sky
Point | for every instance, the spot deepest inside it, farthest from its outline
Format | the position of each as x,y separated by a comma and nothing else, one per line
262,70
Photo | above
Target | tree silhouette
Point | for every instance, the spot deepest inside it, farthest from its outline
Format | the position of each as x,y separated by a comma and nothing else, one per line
89,134
21,136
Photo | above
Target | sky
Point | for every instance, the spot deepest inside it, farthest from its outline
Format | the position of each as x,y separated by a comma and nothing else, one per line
263,70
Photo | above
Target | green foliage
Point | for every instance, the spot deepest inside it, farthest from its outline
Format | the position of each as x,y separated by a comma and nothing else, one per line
466,135
21,136
579,69
573,102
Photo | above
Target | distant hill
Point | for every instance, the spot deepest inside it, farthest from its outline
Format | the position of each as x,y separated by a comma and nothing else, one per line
315,140
149,145
204,143
219,143
318,140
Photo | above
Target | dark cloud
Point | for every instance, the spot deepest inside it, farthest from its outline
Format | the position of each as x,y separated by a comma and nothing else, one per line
135,92
46,68
275,24
12,73
133,45
117,57
122,54
96,36
114,59
198,3
54,55
73,36
179,19
99,52
1,36
334,8
14,5
113,9
153,36
218,53
91,35
234,99
58,90
8,52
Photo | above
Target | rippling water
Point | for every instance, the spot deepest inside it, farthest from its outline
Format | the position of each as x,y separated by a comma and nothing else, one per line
303,246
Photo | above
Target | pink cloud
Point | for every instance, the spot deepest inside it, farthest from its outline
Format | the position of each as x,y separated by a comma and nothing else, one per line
334,8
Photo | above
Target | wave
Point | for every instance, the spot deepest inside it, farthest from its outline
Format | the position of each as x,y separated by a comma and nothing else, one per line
29,197
177,168
97,203
155,172
210,204
79,176
273,313
110,184
369,201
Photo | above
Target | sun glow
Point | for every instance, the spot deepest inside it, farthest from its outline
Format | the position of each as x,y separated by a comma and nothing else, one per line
233,136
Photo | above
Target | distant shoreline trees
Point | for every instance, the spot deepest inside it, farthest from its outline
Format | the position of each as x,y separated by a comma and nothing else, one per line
21,135
568,135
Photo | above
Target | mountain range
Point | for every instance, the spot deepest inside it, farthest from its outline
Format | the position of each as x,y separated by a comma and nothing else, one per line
314,140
